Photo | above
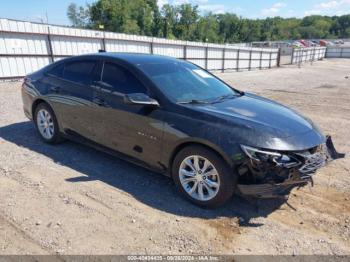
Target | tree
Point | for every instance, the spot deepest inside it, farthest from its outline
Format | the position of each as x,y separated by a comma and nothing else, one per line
229,26
134,17
186,25
111,14
249,30
79,16
157,23
185,22
344,26
207,29
169,14
315,26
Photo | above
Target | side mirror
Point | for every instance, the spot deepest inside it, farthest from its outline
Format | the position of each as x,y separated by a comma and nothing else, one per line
140,99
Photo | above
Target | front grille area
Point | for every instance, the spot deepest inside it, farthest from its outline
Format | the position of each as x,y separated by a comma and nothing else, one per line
313,162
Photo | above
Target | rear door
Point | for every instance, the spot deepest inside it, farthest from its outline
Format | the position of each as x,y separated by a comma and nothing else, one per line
71,93
134,130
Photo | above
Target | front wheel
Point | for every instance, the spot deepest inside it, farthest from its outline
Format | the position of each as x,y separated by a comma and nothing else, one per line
203,177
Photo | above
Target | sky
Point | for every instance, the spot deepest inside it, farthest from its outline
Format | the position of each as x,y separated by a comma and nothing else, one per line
36,10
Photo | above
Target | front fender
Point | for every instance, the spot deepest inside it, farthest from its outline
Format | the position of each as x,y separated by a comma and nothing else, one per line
185,131
199,141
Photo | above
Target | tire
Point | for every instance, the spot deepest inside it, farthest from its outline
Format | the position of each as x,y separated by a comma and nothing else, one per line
45,118
216,189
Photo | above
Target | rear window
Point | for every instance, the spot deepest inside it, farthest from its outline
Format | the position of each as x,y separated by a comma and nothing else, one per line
78,72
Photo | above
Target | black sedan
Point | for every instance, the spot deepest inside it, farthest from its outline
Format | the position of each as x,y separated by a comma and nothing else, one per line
175,118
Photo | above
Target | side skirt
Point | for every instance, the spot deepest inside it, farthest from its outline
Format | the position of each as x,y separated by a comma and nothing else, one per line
72,136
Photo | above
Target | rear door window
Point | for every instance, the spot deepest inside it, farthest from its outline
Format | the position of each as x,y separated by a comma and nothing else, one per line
57,70
79,71
121,80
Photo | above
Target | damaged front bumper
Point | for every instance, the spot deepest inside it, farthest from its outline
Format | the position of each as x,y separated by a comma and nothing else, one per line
274,174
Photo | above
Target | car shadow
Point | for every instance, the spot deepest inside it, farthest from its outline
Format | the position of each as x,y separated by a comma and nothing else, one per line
154,190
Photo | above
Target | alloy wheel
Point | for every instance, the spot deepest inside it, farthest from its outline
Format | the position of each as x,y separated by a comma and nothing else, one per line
45,124
199,178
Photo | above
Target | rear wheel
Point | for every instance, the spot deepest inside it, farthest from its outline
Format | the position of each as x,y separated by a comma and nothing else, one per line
203,177
46,124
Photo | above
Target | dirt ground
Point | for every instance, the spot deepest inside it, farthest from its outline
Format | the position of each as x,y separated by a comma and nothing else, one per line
70,199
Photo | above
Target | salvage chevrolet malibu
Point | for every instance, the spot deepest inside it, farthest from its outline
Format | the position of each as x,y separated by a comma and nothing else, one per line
178,119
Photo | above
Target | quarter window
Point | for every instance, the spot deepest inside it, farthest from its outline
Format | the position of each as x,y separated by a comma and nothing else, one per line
121,80
78,72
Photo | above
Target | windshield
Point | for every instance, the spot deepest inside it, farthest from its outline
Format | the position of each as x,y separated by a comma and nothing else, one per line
184,82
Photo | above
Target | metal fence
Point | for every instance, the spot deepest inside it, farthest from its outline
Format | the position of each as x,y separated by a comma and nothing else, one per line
338,52
309,54
26,47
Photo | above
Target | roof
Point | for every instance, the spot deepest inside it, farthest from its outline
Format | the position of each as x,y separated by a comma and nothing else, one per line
138,58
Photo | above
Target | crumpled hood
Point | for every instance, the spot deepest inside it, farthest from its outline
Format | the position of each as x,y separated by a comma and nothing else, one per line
265,123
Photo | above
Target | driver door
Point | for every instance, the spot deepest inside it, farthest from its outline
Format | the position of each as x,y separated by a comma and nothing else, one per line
134,130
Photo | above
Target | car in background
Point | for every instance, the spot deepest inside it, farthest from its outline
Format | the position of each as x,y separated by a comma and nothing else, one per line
304,43
312,43
297,44
338,42
178,119
323,43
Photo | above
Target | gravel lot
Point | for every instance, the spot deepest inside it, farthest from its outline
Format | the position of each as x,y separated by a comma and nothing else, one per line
70,199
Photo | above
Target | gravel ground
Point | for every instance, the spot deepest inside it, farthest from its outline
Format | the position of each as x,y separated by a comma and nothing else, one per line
70,199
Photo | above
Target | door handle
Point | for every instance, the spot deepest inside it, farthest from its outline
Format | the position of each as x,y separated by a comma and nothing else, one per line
55,89
98,85
100,102
95,86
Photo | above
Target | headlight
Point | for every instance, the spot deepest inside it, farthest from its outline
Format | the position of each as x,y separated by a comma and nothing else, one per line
278,159
259,155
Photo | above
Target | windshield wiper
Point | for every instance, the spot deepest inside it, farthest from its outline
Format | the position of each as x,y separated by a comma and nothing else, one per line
216,100
193,101
220,98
